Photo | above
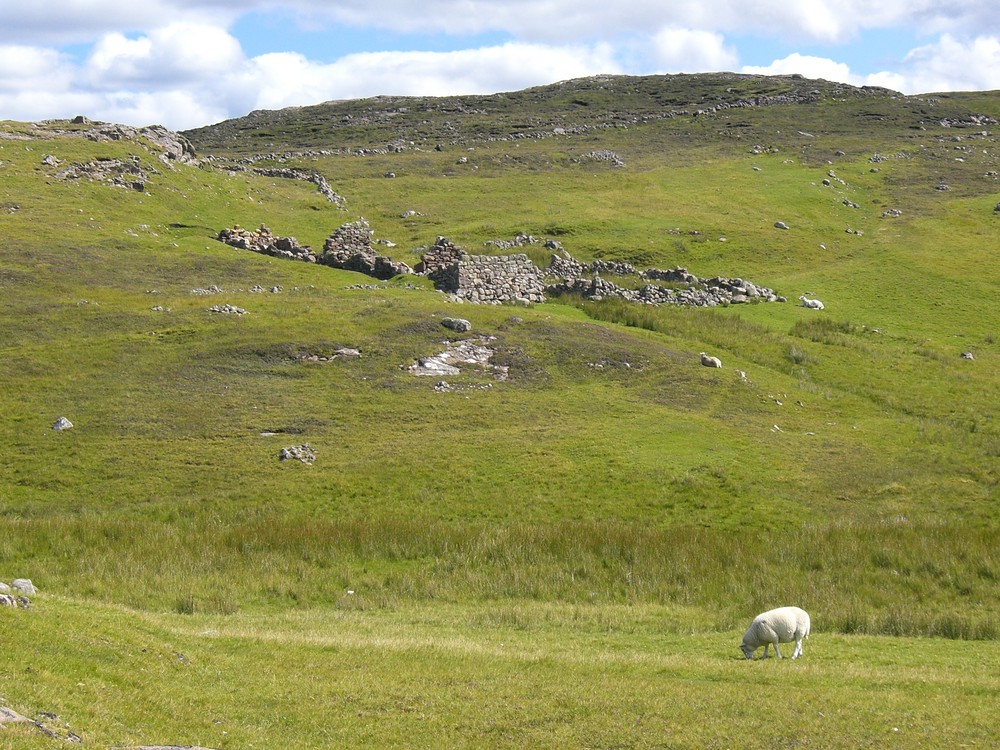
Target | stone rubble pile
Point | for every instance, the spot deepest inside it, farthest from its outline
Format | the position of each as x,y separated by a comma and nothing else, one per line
17,593
126,174
265,242
476,352
303,453
227,309
699,292
350,248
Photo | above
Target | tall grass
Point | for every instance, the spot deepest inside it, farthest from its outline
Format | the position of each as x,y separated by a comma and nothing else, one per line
895,578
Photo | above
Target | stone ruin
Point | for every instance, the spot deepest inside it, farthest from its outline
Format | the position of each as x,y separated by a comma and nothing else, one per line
263,241
484,279
350,248
687,289
511,279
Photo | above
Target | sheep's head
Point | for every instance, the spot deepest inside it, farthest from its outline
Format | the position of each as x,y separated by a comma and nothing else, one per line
747,649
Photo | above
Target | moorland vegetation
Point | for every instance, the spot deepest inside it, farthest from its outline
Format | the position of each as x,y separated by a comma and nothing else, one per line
564,557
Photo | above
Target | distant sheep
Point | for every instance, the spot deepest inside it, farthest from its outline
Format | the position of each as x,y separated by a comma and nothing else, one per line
812,304
782,625
710,361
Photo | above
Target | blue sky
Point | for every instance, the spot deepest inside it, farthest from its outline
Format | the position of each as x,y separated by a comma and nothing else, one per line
185,63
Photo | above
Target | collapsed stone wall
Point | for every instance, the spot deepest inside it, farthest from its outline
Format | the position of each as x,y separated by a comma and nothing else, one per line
350,248
499,279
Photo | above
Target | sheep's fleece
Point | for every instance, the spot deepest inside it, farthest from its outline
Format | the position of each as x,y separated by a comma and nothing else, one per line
782,625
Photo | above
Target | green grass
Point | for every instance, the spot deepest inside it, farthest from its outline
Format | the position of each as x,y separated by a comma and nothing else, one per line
563,558
513,674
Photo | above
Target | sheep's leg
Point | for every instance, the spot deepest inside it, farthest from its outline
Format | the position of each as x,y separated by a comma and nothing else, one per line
798,649
777,650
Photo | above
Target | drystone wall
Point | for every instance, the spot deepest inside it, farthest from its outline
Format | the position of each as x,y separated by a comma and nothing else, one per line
484,279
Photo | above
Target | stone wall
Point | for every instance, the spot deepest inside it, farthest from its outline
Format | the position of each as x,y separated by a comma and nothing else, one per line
485,279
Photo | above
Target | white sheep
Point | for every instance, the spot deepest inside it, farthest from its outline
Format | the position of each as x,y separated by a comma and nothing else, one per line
812,304
781,625
710,361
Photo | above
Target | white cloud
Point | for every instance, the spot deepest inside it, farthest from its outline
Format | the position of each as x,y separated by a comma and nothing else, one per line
33,68
175,53
808,66
953,65
948,64
287,79
689,51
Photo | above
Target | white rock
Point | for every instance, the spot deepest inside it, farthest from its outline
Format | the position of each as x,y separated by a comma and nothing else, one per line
62,424
24,586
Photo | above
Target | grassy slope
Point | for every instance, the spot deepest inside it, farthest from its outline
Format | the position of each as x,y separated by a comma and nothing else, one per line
659,486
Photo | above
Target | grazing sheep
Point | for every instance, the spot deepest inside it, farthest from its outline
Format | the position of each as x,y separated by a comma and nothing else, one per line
782,625
710,361
812,304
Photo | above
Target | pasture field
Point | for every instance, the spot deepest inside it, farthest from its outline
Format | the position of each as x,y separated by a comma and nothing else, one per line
563,558
500,674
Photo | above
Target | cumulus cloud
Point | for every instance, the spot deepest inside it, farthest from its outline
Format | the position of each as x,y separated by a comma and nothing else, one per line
689,51
555,21
945,65
33,68
286,79
953,65
175,53
808,66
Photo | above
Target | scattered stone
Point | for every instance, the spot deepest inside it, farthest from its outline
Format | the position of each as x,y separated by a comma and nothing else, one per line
780,225
605,155
347,353
211,290
51,161
227,309
303,453
891,213
476,352
62,424
968,355
459,325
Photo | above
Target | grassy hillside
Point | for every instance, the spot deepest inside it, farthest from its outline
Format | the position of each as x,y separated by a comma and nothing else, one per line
596,529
